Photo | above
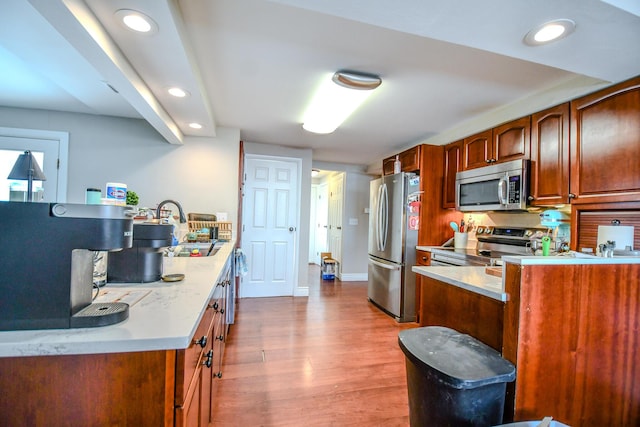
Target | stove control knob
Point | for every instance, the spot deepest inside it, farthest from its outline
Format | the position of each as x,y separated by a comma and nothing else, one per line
488,230
479,230
528,233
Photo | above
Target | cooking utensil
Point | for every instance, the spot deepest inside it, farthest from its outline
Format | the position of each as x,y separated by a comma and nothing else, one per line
213,243
454,225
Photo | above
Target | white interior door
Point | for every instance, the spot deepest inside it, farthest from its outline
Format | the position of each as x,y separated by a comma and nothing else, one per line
322,220
336,202
270,223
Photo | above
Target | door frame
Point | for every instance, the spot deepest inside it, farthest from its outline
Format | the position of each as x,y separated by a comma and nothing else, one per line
296,237
56,137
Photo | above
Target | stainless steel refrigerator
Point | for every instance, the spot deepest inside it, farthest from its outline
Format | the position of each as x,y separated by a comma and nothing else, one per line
393,234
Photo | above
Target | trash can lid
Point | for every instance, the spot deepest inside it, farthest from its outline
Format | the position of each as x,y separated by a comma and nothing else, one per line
456,359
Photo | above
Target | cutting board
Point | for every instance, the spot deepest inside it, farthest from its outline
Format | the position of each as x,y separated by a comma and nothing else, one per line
493,271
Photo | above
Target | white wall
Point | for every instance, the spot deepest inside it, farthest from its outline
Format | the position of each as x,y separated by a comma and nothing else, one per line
202,174
305,154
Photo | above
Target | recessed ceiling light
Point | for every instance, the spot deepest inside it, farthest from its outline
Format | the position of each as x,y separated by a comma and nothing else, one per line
137,21
177,92
549,31
195,125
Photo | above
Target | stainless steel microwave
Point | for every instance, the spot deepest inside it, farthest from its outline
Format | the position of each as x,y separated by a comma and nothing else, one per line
498,187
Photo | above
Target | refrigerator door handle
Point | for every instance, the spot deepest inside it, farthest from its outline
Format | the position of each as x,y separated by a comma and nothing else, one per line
379,218
383,265
384,224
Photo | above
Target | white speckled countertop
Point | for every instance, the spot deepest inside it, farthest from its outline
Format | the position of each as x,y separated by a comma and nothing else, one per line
572,259
161,316
476,280
473,279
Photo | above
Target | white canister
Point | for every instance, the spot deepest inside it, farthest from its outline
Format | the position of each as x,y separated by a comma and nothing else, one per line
117,193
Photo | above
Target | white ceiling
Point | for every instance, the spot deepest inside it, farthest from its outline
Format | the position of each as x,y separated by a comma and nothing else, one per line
254,64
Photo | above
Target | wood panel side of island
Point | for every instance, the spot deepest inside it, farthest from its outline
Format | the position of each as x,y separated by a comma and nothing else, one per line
573,332
93,389
467,312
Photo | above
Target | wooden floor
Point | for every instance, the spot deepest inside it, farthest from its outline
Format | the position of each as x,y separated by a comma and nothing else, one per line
331,359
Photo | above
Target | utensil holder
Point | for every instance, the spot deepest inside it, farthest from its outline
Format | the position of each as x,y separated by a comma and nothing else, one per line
460,240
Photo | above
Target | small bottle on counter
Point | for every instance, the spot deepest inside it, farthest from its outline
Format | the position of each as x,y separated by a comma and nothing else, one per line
93,196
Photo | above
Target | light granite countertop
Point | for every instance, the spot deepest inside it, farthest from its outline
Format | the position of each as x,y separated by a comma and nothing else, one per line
161,315
473,279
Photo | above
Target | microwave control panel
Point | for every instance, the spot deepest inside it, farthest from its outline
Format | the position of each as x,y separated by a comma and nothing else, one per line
514,189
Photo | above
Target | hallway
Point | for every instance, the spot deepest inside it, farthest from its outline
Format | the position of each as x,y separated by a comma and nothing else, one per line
331,359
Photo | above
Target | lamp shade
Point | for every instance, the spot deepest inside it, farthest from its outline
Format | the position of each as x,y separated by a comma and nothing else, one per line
26,167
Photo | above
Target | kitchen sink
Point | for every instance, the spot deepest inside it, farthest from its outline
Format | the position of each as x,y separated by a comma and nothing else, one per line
184,249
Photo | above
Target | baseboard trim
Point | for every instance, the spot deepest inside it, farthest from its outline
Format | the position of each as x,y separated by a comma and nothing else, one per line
301,292
354,277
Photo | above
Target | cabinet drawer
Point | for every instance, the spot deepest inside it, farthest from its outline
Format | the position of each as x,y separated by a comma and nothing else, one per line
423,257
219,338
188,360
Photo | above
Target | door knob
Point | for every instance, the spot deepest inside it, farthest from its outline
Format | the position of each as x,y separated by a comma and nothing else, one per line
292,229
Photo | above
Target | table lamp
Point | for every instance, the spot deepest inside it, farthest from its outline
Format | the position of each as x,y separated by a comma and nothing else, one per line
26,167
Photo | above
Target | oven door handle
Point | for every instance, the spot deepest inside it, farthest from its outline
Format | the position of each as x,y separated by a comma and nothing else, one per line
383,265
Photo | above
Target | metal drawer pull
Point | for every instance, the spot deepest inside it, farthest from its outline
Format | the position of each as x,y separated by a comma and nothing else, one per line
202,342
209,359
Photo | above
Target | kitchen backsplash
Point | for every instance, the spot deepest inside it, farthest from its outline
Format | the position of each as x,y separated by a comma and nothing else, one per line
529,219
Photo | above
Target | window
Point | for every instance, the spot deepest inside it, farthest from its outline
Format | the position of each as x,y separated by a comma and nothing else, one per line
51,150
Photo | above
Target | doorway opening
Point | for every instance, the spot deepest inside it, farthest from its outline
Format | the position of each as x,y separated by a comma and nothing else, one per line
327,201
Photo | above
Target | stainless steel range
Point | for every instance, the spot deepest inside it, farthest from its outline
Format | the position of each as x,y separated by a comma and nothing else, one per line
493,243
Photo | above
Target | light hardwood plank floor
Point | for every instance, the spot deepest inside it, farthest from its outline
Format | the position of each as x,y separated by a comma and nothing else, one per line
331,359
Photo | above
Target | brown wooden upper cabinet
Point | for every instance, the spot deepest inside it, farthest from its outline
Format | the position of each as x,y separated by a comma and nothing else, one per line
509,141
549,183
452,164
605,145
477,150
409,161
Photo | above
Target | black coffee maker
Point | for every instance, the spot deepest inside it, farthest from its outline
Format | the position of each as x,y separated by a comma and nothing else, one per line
46,279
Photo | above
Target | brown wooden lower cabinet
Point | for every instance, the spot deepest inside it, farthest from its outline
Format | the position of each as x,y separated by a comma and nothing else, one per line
573,332
150,388
466,312
89,390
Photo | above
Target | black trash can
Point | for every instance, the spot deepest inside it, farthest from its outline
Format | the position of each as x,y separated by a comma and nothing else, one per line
453,379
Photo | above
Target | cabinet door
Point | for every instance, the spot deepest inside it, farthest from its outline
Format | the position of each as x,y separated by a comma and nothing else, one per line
511,140
550,156
452,164
387,165
410,159
477,150
605,145
188,415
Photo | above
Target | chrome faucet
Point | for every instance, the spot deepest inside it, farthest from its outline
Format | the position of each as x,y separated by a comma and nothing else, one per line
183,219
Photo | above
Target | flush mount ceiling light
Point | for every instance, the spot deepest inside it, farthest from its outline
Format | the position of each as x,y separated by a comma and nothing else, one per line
195,125
177,92
137,21
549,31
338,97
